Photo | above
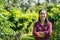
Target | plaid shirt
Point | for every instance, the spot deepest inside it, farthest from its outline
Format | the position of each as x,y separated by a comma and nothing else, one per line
47,30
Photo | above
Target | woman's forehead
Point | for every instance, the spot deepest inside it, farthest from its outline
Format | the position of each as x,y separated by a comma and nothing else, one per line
43,11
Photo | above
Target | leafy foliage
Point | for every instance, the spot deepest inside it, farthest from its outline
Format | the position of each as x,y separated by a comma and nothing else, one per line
15,22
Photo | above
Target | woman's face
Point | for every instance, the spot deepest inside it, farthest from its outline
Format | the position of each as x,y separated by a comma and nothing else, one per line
43,15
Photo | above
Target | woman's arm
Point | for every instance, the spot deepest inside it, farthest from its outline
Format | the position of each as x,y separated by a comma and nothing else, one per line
49,31
35,33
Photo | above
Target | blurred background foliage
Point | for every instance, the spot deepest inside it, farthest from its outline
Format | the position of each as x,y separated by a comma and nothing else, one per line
17,18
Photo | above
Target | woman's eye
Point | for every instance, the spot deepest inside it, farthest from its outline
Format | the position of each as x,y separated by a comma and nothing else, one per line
42,13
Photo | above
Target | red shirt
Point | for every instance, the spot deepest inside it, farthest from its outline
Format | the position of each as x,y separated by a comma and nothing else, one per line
47,30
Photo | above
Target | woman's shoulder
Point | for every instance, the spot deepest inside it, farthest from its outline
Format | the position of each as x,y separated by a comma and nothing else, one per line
49,23
36,22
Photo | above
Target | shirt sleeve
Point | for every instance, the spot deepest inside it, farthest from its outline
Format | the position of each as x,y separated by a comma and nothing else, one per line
35,30
49,31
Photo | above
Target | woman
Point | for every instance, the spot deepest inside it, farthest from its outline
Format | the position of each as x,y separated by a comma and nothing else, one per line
43,28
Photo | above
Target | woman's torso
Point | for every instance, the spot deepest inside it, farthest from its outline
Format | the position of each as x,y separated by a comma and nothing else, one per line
43,28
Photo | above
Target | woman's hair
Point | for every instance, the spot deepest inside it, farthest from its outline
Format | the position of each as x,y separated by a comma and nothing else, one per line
46,19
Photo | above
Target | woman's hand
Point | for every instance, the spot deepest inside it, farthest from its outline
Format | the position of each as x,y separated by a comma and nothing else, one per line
40,34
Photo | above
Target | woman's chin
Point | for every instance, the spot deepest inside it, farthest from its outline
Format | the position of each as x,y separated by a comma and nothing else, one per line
43,19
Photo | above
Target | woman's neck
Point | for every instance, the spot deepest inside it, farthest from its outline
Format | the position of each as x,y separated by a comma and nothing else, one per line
42,22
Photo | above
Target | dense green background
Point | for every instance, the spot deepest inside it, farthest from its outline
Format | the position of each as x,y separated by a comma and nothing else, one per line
17,23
